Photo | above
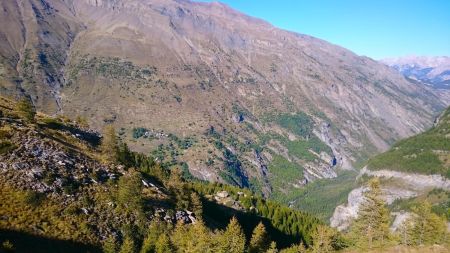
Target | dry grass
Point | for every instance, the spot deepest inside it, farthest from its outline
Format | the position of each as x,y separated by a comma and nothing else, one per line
405,249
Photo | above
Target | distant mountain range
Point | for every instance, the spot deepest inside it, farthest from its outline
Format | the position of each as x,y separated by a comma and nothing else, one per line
433,71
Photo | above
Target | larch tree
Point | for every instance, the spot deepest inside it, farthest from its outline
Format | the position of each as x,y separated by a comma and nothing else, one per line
127,246
259,241
163,244
371,228
272,248
294,249
155,229
427,227
196,205
322,239
109,145
233,239
129,192
110,245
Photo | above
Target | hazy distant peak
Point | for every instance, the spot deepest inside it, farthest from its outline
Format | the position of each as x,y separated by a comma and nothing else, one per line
422,61
431,70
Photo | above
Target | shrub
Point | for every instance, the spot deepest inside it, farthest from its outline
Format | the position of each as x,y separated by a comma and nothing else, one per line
26,110
33,198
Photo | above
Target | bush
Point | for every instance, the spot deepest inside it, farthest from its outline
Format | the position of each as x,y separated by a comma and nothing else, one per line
26,110
52,123
33,198
6,146
5,132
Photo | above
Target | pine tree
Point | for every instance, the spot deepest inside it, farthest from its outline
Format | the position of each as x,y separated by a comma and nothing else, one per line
124,155
155,229
130,190
428,228
178,188
294,249
371,228
110,245
259,241
180,238
233,239
201,238
193,238
109,145
272,248
127,246
26,110
404,232
163,244
196,205
322,239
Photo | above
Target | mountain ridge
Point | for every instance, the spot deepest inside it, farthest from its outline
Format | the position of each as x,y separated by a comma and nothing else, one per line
234,88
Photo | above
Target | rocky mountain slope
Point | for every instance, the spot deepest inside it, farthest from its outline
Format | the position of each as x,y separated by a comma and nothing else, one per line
58,194
416,168
228,97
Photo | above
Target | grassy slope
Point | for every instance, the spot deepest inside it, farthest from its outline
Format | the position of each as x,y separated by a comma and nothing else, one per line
426,153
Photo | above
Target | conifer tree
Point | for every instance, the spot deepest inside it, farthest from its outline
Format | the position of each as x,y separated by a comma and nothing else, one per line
427,227
193,238
196,205
201,237
129,193
177,186
371,228
272,248
156,228
124,155
180,237
294,249
109,145
110,245
163,244
26,109
127,246
259,241
233,239
322,239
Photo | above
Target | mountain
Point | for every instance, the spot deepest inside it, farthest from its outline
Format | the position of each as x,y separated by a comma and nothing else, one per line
65,188
433,71
224,96
414,169
59,194
426,153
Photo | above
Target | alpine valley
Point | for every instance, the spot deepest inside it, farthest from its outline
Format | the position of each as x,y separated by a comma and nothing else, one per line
152,114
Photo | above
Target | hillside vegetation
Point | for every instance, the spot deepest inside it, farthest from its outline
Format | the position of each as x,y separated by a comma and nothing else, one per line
65,188
426,153
60,185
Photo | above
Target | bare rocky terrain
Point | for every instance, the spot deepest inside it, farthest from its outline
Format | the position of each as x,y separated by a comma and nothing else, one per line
247,98
396,186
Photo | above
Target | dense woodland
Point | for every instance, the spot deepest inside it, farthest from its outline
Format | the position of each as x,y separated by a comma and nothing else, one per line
249,224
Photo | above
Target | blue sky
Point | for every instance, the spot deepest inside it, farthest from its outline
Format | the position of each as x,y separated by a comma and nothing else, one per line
375,28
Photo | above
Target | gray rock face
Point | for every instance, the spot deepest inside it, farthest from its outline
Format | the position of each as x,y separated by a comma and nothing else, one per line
344,214
402,186
44,166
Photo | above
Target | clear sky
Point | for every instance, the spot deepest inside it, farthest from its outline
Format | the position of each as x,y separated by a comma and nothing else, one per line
375,28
